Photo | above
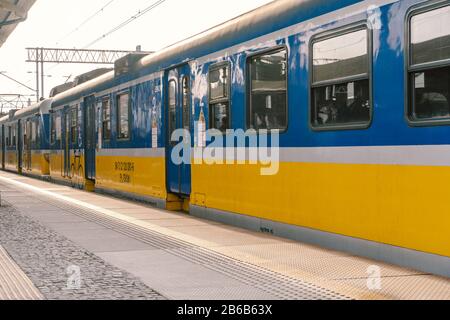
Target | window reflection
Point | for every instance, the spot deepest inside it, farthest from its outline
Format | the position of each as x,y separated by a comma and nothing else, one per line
106,128
218,83
123,116
172,106
429,85
186,104
430,36
58,128
340,57
73,124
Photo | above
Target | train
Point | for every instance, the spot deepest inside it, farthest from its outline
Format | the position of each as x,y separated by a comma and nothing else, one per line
357,94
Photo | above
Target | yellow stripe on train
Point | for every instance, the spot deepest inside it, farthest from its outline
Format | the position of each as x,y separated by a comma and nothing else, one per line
143,176
405,206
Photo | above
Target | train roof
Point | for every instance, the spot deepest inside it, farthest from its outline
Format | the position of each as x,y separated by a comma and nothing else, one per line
90,75
258,22
8,117
4,119
80,89
61,88
264,20
43,107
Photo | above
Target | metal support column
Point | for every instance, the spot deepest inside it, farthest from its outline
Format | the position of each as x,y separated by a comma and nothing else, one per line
37,75
42,73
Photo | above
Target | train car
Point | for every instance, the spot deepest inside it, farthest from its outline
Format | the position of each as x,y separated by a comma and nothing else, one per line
10,155
24,140
4,137
359,94
33,140
66,144
68,129
354,95
102,135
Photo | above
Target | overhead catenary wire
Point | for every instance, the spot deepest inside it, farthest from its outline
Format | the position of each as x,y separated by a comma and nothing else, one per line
139,14
16,81
101,10
121,25
126,22
91,17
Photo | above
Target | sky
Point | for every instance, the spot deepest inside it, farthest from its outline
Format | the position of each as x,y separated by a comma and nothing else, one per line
58,24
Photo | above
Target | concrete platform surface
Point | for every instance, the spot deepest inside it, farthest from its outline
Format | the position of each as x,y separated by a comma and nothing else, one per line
14,284
182,257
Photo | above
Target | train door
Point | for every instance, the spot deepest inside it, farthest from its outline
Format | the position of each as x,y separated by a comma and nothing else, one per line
66,143
89,137
178,106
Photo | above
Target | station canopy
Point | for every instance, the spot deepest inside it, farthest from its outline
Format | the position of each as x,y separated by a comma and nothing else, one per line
12,12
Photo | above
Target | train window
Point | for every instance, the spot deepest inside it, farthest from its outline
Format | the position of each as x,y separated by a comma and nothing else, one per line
37,132
25,133
13,128
340,95
8,136
172,107
33,132
429,65
268,91
123,116
58,128
186,104
53,128
73,124
219,101
106,119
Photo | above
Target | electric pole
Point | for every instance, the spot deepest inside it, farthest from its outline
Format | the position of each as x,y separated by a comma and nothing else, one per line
84,56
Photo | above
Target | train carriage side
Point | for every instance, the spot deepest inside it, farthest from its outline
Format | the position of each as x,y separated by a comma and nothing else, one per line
130,158
54,144
32,145
357,92
73,128
66,153
361,145
12,143
114,150
67,145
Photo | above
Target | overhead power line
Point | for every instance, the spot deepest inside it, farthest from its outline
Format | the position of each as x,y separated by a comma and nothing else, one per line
16,81
126,22
86,21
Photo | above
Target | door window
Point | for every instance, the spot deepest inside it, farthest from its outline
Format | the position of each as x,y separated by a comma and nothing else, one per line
123,115
172,107
186,103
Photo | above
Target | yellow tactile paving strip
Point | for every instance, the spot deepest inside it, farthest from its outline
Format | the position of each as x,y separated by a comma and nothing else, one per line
333,270
14,284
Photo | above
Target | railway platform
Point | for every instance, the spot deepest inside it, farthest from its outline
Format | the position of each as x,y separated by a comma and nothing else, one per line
60,243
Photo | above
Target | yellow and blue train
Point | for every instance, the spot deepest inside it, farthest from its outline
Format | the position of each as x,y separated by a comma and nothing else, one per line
359,92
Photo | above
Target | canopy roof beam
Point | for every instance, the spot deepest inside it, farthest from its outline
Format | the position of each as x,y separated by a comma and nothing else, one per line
8,6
